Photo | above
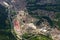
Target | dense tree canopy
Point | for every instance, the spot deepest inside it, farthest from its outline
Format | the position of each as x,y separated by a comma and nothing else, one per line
5,28
3,17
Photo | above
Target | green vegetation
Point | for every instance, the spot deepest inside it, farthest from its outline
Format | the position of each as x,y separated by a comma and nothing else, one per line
58,18
48,19
49,7
31,1
31,5
55,7
6,35
3,17
41,18
5,28
57,15
13,12
35,37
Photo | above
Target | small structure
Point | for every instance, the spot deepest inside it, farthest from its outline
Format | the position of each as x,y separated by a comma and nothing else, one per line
31,25
6,4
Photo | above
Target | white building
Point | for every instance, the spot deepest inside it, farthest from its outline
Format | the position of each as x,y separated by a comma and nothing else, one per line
31,25
6,4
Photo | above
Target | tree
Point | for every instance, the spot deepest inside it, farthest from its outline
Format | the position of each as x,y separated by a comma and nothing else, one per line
5,28
28,36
